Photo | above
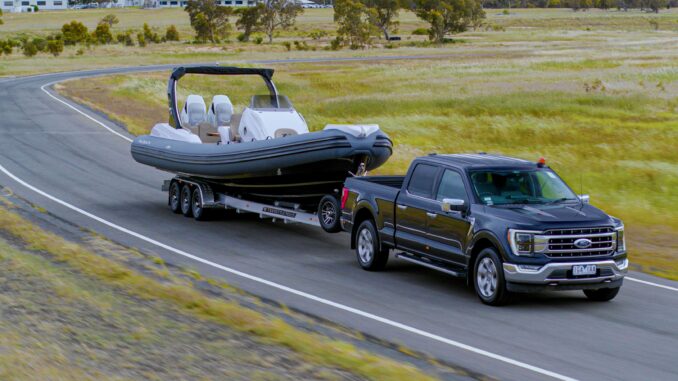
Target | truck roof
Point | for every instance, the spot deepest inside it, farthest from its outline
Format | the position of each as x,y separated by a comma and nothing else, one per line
481,160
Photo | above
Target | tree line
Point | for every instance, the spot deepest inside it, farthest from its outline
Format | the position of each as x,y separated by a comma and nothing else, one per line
643,5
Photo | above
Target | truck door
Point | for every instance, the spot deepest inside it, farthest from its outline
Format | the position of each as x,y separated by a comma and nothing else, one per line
447,231
411,207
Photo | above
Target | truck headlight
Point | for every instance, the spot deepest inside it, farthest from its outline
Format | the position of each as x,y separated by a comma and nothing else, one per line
621,239
525,242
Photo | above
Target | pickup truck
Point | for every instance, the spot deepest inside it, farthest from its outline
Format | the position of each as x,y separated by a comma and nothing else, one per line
507,225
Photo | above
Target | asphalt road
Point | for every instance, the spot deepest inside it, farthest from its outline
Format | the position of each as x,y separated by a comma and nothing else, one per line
74,167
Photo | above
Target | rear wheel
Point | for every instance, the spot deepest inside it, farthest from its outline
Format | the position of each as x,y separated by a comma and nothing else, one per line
329,214
602,294
370,255
489,279
197,206
186,195
174,198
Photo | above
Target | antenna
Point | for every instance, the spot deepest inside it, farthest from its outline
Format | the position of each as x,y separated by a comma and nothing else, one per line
581,183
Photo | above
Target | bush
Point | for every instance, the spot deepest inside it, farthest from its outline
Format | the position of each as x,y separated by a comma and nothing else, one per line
80,52
30,49
40,44
336,43
420,32
125,38
73,33
301,45
141,39
287,45
55,47
102,34
150,35
258,40
317,34
172,34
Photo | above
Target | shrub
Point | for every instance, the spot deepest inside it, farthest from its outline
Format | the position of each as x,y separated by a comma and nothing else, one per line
102,34
40,44
73,33
258,40
336,43
172,34
125,38
30,49
80,52
420,32
55,47
141,39
150,35
301,45
317,34
110,20
287,45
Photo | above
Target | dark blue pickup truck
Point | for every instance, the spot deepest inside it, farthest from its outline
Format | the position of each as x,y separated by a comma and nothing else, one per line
507,225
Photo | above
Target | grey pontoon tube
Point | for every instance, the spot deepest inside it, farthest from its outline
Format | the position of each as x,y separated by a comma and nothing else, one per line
174,121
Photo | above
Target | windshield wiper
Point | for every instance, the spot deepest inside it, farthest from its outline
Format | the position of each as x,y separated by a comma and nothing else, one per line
558,200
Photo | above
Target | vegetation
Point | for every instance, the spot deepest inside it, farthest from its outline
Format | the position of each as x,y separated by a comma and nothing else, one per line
105,290
448,16
249,20
278,14
383,14
354,25
172,34
110,20
209,20
74,33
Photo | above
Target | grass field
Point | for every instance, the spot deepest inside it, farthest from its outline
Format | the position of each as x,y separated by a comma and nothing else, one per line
600,105
89,309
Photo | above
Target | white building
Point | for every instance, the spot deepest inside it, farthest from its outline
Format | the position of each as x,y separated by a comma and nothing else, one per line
22,5
228,3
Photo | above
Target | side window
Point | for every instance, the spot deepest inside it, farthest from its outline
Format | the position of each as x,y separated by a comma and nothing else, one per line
451,186
421,183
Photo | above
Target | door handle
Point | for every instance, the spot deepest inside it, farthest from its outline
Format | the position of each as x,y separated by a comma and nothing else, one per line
431,215
403,207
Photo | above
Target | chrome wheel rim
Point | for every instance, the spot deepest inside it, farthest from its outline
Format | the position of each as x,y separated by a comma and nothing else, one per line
486,277
174,197
365,246
196,204
328,213
186,201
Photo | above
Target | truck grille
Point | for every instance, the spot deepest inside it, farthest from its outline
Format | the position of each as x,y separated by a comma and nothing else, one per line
560,242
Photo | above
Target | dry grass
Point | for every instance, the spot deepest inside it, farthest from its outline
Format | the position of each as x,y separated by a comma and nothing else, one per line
313,348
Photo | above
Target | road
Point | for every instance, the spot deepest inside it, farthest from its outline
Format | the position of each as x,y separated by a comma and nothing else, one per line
77,165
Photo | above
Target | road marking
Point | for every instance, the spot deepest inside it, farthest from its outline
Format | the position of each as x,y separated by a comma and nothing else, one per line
651,283
80,112
302,294
130,140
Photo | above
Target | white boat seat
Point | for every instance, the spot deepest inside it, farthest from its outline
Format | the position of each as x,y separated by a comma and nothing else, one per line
220,112
194,111
282,132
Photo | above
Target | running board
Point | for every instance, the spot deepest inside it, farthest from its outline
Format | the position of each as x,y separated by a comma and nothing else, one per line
430,265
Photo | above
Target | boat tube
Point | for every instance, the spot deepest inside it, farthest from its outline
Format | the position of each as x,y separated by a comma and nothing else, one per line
266,152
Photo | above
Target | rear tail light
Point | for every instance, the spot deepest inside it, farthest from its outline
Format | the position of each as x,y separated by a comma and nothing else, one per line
344,197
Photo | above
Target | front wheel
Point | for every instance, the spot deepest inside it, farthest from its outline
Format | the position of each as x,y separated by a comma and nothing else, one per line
489,279
329,214
602,294
371,256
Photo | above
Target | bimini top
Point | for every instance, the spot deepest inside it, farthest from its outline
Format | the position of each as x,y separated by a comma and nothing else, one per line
178,73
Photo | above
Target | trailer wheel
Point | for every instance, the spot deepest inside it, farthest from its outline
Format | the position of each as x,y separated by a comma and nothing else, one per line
186,200
175,197
329,214
197,206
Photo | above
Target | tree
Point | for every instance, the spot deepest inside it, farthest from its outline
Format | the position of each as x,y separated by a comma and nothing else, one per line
55,47
383,14
249,20
171,34
354,26
150,35
278,14
209,20
30,49
110,20
448,16
73,33
102,34
1,22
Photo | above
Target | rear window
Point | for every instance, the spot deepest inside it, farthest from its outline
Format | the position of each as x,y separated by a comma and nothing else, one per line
423,178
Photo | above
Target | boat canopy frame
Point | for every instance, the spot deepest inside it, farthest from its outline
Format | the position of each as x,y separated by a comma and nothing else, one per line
178,73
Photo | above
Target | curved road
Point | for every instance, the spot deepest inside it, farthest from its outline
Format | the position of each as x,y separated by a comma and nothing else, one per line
60,156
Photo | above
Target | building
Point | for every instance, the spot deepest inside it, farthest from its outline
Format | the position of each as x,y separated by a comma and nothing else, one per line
22,5
228,3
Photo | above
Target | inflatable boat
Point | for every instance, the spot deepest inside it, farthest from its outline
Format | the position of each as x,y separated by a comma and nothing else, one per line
264,151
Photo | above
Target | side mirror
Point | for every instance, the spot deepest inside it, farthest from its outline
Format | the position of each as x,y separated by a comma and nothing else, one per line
584,198
453,204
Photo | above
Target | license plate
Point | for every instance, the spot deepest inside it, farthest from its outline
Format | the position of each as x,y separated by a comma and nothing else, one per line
584,270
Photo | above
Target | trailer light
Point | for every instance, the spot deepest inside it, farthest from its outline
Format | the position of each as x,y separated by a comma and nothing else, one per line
344,197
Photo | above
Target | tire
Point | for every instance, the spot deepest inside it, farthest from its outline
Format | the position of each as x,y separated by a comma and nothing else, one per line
186,194
329,214
197,207
370,256
488,278
602,294
174,197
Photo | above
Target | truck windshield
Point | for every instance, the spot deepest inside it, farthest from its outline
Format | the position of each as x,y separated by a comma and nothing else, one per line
501,187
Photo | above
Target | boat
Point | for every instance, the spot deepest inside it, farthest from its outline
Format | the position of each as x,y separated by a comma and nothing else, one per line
266,151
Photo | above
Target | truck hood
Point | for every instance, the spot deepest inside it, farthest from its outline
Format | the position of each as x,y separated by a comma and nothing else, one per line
559,214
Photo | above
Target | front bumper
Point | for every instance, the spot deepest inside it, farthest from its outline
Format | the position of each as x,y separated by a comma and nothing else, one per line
558,276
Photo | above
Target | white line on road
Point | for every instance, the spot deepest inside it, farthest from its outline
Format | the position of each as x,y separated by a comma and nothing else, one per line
302,294
129,140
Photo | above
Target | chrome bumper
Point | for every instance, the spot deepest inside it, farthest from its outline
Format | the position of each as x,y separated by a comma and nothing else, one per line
556,273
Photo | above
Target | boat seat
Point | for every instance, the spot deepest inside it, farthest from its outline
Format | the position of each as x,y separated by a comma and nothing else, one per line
282,132
220,112
194,111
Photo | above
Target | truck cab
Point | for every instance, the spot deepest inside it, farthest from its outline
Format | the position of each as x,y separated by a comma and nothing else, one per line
507,225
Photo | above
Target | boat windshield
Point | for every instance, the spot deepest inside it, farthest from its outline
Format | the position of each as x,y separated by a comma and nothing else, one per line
270,102
501,187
